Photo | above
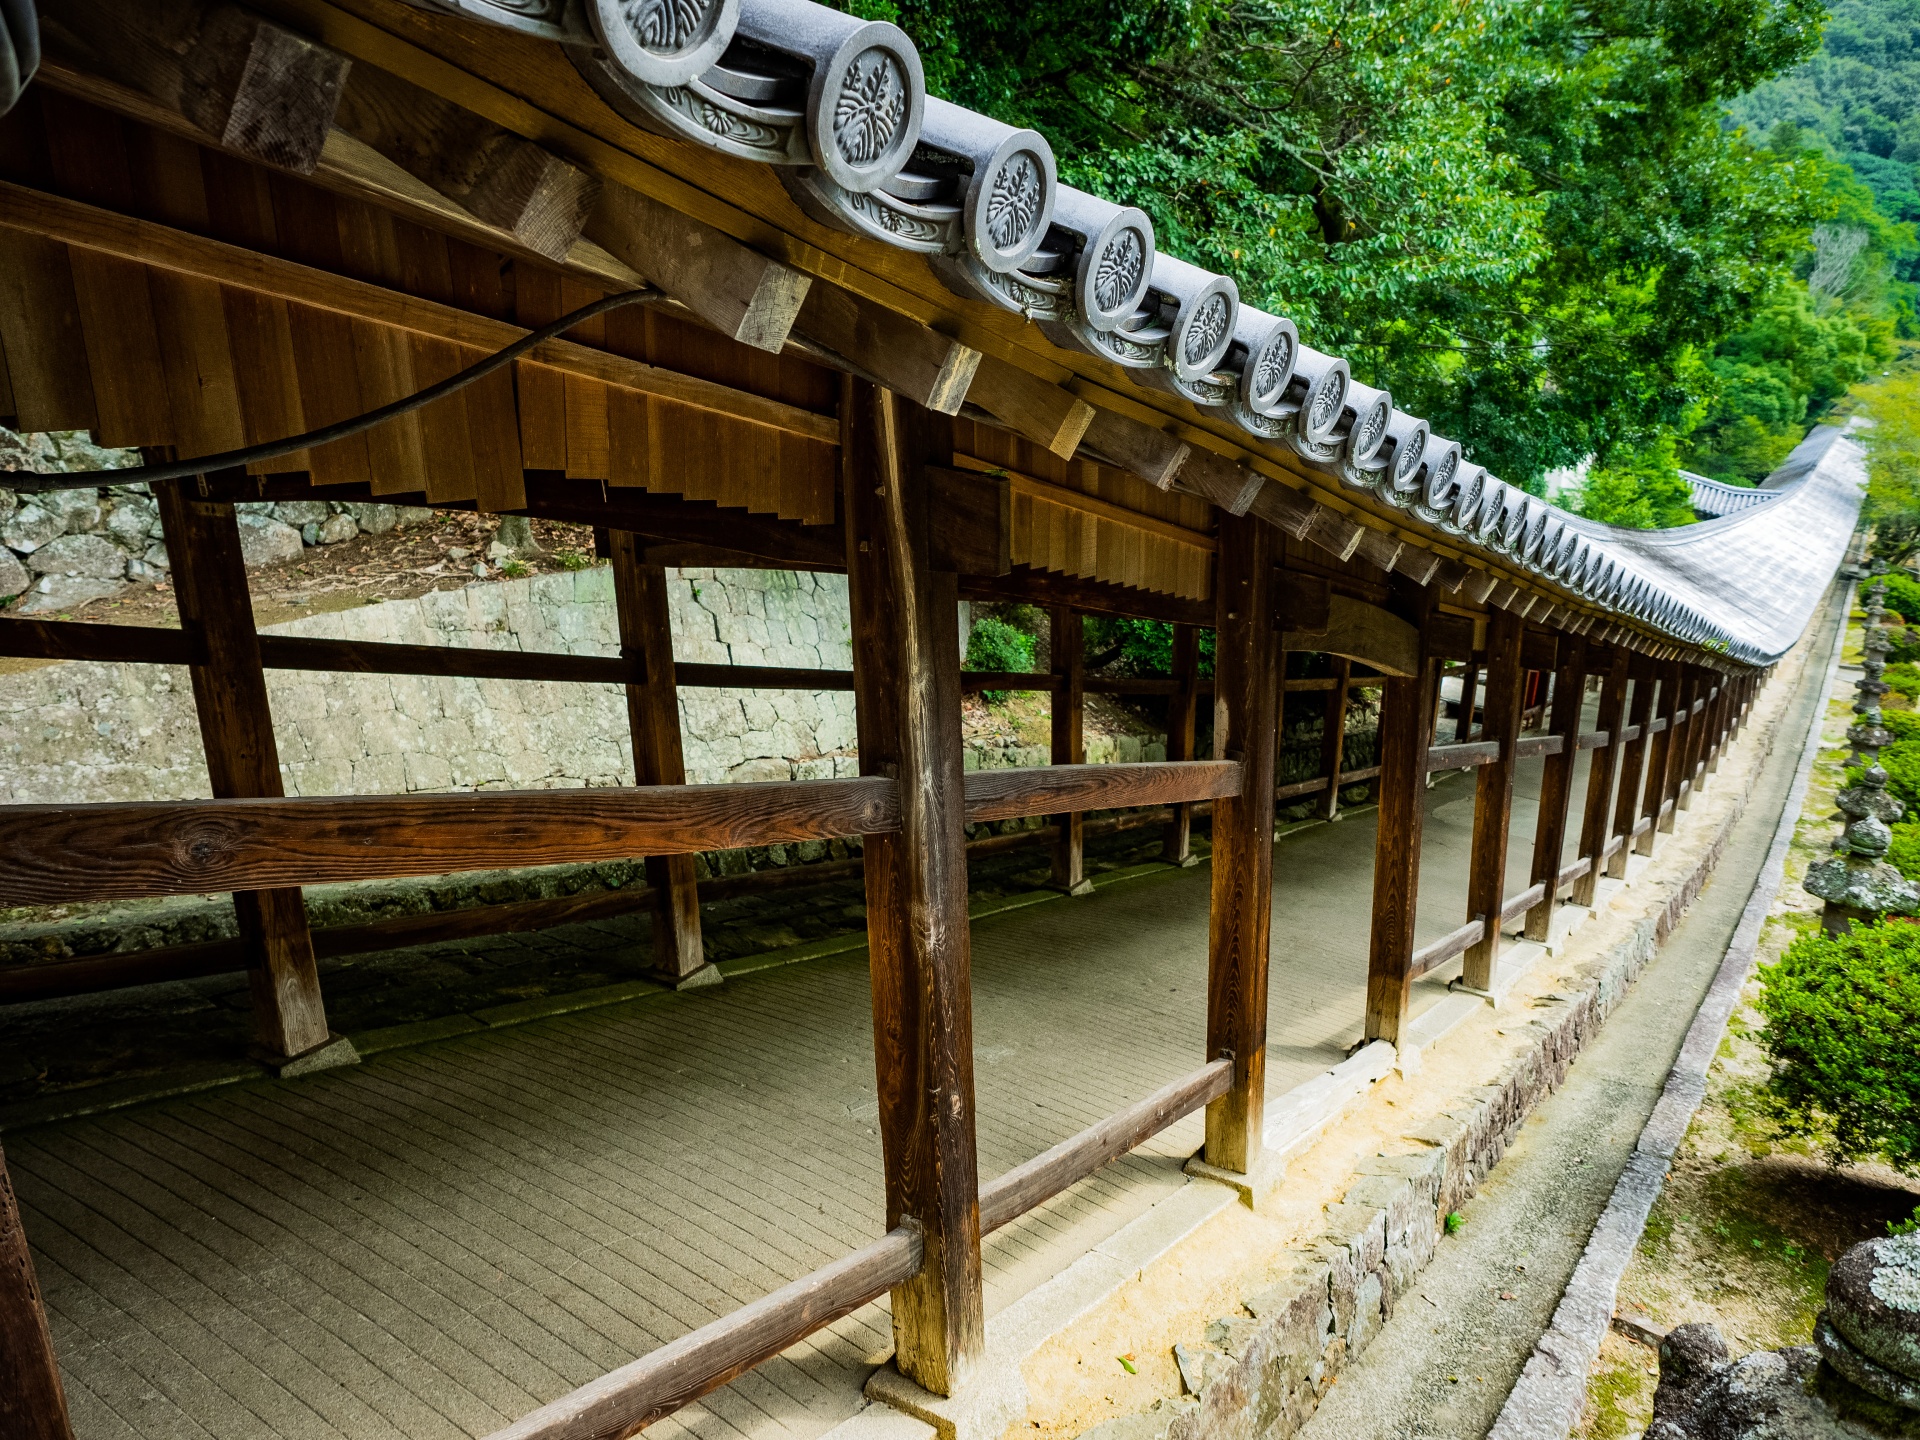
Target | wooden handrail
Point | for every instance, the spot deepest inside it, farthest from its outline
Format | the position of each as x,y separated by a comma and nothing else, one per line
117,851
1073,1159
1572,871
1432,957
1523,902
681,1371
90,974
1593,740
1459,756
1064,789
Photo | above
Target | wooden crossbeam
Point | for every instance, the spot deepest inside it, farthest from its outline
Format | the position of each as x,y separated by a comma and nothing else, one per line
70,222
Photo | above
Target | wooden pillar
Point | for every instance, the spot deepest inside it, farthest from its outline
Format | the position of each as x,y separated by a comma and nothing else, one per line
1069,744
1699,738
1659,757
1176,845
1333,738
1469,688
1725,709
1633,765
236,731
1246,720
907,697
1601,773
1407,704
1493,797
1556,780
33,1406
653,717
1680,735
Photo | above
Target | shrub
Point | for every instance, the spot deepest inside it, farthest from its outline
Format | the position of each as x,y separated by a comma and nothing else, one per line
1903,679
1901,761
1843,1032
1903,597
993,644
1904,853
1902,724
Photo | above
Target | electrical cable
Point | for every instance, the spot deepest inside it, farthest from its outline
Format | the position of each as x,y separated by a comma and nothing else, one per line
33,482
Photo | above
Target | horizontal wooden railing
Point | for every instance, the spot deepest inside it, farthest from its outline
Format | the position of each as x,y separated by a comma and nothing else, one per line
1456,942
680,1372
1463,754
1060,789
90,974
1048,1173
1518,905
121,851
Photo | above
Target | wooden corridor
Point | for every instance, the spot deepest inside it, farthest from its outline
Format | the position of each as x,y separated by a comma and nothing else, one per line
436,1241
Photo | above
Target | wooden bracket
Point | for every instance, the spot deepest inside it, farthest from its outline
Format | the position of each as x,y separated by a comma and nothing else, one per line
927,367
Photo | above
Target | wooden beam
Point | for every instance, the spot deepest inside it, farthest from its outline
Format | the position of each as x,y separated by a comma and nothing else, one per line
905,636
1333,738
625,1400
71,222
653,718
1053,418
1026,1186
743,294
1493,795
1153,454
1469,702
1247,668
1460,756
1176,842
1556,782
1405,718
1058,789
500,178
33,1405
53,854
1227,483
908,358
248,84
1602,772
1633,766
1067,722
236,730
1091,597
1659,755
1370,635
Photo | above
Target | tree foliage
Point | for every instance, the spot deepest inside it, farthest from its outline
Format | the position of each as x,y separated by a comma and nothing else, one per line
1527,222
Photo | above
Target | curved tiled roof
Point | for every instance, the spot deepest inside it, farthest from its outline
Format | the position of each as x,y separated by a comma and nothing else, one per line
837,107
1712,498
1759,572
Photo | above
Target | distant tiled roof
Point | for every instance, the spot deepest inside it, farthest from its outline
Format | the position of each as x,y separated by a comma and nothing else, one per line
1714,498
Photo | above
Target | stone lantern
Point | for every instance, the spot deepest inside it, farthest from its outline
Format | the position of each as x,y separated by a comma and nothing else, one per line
1857,883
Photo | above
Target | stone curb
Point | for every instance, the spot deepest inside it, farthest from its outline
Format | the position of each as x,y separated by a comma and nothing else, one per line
1551,1392
1261,1374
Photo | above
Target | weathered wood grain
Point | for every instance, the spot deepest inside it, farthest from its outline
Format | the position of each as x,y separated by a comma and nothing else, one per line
1602,773
236,732
1176,842
907,664
1556,781
1059,789
1493,792
1067,734
1407,709
52,853
33,1404
653,716
1247,671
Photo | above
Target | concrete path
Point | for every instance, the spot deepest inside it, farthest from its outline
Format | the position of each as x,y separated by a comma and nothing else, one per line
1442,1366
433,1242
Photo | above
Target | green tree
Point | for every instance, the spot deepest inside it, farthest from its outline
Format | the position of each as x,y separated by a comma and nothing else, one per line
1527,222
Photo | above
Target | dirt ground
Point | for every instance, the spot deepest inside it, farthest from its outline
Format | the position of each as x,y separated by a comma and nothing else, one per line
1749,1221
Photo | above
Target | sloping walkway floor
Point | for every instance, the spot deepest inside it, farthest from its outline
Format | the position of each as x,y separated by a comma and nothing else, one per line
433,1242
